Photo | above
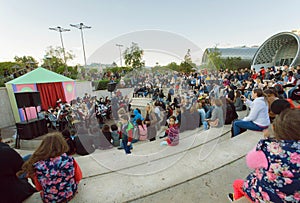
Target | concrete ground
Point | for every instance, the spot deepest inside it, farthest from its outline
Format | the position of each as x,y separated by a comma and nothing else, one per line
211,187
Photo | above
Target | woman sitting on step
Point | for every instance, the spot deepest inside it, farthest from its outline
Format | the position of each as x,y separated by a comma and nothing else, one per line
275,162
54,173
258,118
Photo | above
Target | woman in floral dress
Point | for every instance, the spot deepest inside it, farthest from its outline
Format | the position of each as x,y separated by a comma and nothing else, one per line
276,164
53,172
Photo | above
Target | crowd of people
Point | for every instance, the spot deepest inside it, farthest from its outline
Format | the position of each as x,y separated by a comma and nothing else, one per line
179,102
211,99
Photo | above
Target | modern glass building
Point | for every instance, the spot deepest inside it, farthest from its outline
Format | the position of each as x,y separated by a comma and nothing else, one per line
279,50
245,53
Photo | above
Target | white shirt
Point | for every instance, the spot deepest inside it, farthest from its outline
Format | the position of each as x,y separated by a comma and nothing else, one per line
157,111
259,112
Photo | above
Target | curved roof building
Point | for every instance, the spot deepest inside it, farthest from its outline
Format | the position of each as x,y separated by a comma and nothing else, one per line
246,54
279,50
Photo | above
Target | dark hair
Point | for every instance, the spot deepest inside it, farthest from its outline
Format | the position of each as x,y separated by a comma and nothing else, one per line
173,117
114,127
139,110
105,128
286,125
269,92
259,92
157,103
238,93
66,133
139,121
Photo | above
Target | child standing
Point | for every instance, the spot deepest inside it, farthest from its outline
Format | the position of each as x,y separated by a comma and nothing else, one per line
142,130
172,133
127,133
276,161
54,173
115,135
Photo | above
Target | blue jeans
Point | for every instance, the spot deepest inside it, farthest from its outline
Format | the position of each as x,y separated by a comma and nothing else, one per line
205,125
238,124
202,115
126,148
247,94
291,91
209,112
25,158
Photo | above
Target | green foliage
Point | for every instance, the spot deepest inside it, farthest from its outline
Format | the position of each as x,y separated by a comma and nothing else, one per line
133,56
187,57
54,60
58,53
7,66
214,59
93,70
232,63
119,70
186,67
102,84
28,61
173,66
15,67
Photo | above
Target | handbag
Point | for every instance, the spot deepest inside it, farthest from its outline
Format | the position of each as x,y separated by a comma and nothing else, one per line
214,123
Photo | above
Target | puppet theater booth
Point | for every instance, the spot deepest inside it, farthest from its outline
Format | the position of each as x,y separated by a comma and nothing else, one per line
33,92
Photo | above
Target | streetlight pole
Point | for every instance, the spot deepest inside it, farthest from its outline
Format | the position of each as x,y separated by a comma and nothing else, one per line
81,26
60,30
120,45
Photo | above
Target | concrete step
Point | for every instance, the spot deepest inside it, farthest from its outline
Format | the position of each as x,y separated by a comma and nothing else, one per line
146,178
167,172
140,101
153,170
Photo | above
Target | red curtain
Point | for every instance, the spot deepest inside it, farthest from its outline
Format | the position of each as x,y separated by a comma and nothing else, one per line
50,93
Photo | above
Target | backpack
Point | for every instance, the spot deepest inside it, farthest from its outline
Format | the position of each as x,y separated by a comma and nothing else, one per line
142,130
135,132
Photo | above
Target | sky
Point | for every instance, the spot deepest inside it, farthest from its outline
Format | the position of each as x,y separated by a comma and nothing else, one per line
206,23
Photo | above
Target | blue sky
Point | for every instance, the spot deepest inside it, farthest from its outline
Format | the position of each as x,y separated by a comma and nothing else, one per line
228,23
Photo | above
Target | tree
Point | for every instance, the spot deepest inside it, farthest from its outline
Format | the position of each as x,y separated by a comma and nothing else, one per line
232,62
187,57
133,56
26,61
173,66
214,59
187,65
7,68
54,60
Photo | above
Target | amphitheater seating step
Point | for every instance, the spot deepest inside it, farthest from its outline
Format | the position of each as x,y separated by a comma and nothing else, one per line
112,176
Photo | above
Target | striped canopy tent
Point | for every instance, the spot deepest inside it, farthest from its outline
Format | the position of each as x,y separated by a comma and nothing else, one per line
52,86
